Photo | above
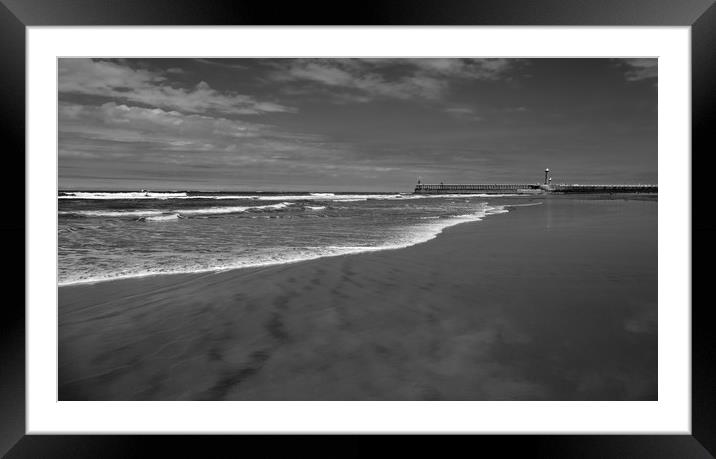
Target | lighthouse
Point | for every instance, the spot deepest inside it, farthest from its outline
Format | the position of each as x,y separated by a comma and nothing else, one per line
546,173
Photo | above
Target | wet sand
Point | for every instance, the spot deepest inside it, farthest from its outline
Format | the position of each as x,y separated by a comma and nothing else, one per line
556,301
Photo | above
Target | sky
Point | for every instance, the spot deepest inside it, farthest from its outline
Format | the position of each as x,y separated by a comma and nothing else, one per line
344,124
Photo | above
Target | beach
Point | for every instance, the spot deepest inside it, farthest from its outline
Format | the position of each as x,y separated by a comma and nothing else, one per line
555,300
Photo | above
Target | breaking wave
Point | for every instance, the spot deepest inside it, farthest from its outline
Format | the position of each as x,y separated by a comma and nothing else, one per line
120,195
159,215
76,195
413,235
112,213
163,218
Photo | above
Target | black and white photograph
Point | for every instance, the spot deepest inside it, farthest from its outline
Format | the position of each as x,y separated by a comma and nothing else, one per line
357,228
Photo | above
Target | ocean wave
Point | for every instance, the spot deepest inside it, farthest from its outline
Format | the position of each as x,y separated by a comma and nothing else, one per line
120,195
259,197
413,235
326,197
315,207
266,197
162,218
368,197
525,205
113,213
112,195
234,209
161,215
214,210
219,196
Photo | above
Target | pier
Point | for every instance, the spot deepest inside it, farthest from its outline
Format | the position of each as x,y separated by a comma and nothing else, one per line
498,188
531,188
603,189
476,188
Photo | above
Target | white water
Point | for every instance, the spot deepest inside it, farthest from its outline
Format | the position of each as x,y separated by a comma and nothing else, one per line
411,236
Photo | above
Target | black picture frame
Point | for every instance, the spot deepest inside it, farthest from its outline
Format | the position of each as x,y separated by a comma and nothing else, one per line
16,15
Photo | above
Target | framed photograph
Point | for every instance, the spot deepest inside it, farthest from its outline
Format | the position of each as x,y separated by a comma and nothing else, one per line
445,219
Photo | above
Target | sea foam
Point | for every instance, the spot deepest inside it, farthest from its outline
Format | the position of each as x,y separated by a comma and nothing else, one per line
77,195
161,215
410,236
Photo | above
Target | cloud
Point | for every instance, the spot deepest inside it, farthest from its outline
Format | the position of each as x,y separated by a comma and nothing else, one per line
100,139
124,83
466,113
640,69
479,69
367,79
149,123
113,131
222,63
372,84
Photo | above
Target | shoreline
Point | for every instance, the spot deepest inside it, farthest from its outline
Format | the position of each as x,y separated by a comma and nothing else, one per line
363,250
546,302
528,198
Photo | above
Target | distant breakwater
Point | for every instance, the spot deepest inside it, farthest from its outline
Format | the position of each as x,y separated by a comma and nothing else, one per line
502,188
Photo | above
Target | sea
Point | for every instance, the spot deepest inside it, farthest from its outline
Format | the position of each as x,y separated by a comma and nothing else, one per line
106,235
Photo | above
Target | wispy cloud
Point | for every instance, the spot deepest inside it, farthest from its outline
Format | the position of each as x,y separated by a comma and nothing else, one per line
465,113
640,69
111,121
371,84
226,63
118,130
124,83
367,79
476,69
